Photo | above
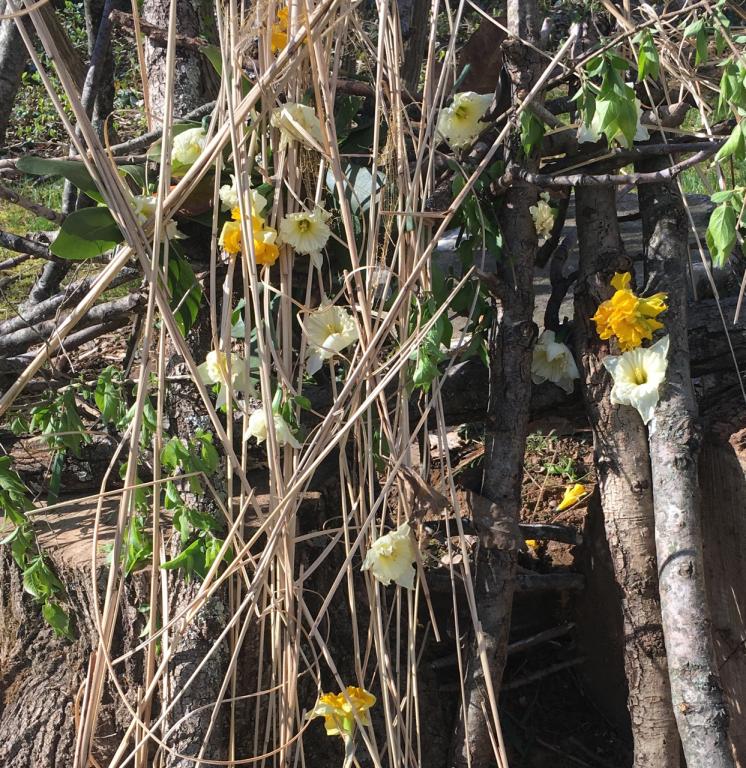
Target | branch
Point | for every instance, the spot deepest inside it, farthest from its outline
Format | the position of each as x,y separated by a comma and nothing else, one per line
20,340
595,180
24,245
45,309
30,205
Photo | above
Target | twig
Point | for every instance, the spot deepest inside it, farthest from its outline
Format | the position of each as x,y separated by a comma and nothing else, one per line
540,637
15,261
559,281
563,533
542,673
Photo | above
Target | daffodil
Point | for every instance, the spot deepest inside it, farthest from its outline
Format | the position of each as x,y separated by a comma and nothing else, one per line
188,145
297,122
628,317
280,31
391,557
543,215
329,330
257,428
532,544
229,198
306,232
553,361
637,376
340,710
460,124
592,132
144,206
266,250
215,371
573,494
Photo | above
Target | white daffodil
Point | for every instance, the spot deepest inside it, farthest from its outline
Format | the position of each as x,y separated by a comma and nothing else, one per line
297,122
258,429
306,232
460,123
215,371
229,198
593,133
188,146
329,330
391,558
553,361
637,376
144,206
543,215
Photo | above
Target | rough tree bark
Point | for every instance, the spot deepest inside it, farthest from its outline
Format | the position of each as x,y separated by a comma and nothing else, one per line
13,58
507,423
623,467
675,438
191,77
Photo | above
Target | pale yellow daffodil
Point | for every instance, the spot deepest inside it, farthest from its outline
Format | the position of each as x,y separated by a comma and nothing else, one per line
553,361
391,558
460,124
638,375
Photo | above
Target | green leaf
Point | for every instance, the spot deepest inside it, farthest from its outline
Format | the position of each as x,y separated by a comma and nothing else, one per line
39,580
701,43
109,395
359,186
191,559
57,618
734,147
345,109
648,62
532,132
721,233
85,234
72,170
185,293
55,476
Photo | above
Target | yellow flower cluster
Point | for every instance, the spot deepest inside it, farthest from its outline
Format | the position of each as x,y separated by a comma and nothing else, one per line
280,31
266,250
339,710
628,317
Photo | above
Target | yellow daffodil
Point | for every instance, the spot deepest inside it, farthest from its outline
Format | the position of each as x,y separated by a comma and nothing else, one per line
188,145
553,361
229,198
339,710
592,132
460,123
628,317
532,544
306,232
637,376
257,429
144,206
391,558
215,371
543,215
329,330
266,250
573,494
280,31
297,122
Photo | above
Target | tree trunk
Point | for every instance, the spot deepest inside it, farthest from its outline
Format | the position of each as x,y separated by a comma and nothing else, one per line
675,439
13,58
506,427
191,78
624,477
